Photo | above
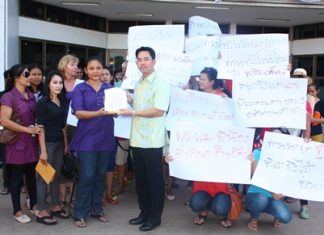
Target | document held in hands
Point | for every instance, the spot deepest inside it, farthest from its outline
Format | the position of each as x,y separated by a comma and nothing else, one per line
46,171
115,99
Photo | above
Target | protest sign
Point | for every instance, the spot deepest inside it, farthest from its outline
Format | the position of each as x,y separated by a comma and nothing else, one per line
292,167
205,51
257,55
202,26
263,102
199,107
209,152
162,38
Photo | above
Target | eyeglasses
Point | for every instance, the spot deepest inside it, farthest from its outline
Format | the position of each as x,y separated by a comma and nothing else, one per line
26,74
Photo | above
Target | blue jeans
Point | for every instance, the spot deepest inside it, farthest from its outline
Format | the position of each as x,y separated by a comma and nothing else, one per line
258,203
220,204
90,187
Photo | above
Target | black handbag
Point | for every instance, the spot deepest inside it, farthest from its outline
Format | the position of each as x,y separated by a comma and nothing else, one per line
69,167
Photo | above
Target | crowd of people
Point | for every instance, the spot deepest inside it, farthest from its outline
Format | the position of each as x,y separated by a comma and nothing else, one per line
42,103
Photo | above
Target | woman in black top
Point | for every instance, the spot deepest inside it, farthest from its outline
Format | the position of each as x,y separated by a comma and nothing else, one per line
51,113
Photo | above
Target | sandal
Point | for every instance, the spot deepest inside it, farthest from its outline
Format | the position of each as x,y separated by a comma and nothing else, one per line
200,219
253,224
226,223
80,223
112,201
47,220
61,214
101,217
277,224
62,203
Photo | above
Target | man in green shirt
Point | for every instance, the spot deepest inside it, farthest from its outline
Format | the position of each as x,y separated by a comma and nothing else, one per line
148,136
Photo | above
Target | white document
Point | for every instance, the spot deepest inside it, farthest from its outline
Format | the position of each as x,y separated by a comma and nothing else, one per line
264,102
199,107
72,120
255,55
208,152
122,126
115,99
292,167
202,26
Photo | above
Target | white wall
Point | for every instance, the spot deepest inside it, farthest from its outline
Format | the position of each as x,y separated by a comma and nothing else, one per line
32,28
308,46
116,41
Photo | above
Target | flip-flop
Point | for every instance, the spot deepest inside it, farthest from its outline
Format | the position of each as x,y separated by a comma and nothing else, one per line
101,217
80,223
201,218
47,220
253,224
226,223
61,214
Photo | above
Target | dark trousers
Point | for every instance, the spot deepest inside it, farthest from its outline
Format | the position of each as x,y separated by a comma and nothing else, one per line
149,181
17,173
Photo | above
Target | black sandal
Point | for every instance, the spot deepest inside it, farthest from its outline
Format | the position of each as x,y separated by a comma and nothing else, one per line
61,214
201,218
45,220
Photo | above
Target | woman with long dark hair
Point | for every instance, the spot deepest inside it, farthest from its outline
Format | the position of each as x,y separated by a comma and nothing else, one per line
21,155
51,113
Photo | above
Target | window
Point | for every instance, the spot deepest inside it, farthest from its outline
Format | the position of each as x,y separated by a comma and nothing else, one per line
149,23
242,29
320,30
275,30
54,52
97,23
224,28
56,14
320,66
101,53
32,9
78,51
305,62
31,51
120,26
77,19
304,31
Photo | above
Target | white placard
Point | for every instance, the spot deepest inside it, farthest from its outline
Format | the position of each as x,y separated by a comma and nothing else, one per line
208,152
292,167
202,26
122,126
162,38
199,107
263,102
257,55
115,99
205,51
72,120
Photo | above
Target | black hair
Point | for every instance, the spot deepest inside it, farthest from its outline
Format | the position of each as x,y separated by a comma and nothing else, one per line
47,82
212,76
315,84
148,49
31,66
92,58
11,74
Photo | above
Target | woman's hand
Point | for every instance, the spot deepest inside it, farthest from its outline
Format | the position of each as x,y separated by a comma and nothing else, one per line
43,157
251,157
277,196
37,129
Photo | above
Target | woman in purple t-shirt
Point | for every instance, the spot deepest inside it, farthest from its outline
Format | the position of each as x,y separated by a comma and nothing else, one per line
21,156
94,143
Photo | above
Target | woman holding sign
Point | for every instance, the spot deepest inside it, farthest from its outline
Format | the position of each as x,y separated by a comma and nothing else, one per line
260,201
94,143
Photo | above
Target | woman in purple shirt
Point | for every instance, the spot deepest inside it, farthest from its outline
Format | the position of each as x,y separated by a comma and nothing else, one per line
94,143
21,155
